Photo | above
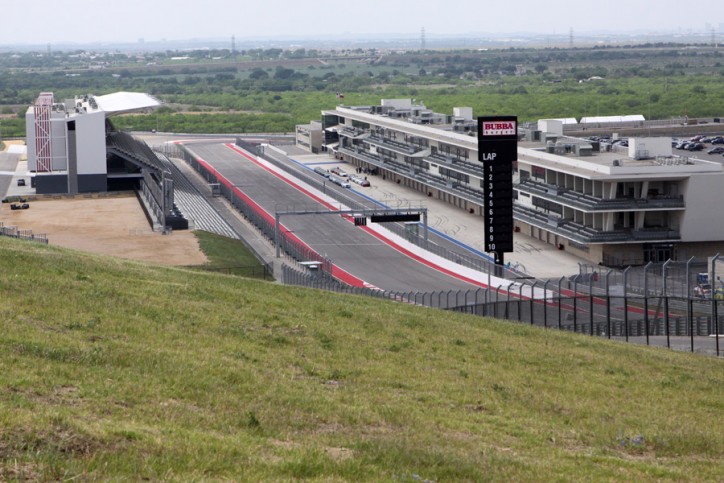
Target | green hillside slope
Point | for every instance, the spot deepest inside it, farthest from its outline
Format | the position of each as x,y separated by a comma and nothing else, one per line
111,369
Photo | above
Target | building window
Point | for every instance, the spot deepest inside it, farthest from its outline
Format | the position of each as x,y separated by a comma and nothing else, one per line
449,173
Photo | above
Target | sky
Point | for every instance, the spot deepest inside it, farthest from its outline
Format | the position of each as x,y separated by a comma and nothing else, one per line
40,22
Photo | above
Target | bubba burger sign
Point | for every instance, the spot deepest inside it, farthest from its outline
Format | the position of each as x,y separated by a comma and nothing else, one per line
497,150
499,128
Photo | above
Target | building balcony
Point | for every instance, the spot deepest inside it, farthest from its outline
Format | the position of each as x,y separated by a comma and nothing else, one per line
415,173
358,152
398,147
463,166
585,234
588,203
354,133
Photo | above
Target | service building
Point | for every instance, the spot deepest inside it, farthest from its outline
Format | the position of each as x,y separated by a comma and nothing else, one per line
606,203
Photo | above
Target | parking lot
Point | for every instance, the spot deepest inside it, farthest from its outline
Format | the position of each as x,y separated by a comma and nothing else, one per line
710,148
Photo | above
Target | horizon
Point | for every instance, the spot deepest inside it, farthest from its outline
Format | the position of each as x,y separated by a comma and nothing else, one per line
80,22
471,40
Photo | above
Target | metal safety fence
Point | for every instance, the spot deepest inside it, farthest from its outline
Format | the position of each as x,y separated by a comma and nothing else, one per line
27,235
644,308
666,321
409,231
289,243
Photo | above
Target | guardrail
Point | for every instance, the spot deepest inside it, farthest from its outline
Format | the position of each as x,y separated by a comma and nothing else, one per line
654,319
674,322
280,159
27,235
256,215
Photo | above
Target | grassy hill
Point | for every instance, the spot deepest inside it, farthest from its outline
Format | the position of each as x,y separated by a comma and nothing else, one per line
112,369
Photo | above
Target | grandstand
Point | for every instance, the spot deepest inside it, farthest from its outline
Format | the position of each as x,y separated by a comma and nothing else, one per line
74,148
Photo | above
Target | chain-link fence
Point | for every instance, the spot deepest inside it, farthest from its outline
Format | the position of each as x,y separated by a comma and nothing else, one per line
654,304
679,323
410,231
27,235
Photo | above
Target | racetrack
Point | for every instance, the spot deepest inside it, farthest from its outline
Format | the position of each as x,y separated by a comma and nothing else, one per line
353,249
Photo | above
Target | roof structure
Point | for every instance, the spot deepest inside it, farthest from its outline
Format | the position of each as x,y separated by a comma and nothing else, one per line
604,119
563,120
125,102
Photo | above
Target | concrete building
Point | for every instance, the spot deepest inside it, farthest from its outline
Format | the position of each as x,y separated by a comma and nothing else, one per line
610,205
310,136
68,141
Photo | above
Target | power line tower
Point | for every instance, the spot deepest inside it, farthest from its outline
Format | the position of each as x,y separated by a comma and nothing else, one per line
233,47
422,39
570,39
713,37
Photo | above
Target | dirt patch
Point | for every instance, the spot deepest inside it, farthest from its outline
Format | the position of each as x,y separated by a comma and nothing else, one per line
19,471
115,226
339,454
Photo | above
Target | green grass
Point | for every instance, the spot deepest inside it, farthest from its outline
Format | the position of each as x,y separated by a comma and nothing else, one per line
115,370
229,256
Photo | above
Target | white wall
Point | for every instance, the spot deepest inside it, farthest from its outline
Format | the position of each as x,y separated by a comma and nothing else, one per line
552,126
30,138
398,103
703,218
91,143
464,112
655,146
59,139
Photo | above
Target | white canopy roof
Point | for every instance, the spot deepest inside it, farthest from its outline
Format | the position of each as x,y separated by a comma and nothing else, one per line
603,119
122,102
563,120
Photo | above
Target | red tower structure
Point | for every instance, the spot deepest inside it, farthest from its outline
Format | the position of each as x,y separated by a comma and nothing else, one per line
43,145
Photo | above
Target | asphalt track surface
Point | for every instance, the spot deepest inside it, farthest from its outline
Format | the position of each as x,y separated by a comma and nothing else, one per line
352,249
358,252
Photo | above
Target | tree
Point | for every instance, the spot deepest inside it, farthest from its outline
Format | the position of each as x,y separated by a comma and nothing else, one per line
258,74
283,73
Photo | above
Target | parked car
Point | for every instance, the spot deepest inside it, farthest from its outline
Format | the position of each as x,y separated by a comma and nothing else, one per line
321,172
338,171
338,180
718,140
359,180
716,150
695,147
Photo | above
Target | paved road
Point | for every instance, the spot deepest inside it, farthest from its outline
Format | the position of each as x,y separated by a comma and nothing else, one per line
8,164
535,257
350,248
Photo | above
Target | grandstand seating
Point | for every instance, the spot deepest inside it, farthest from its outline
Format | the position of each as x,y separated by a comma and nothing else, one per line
127,147
192,205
